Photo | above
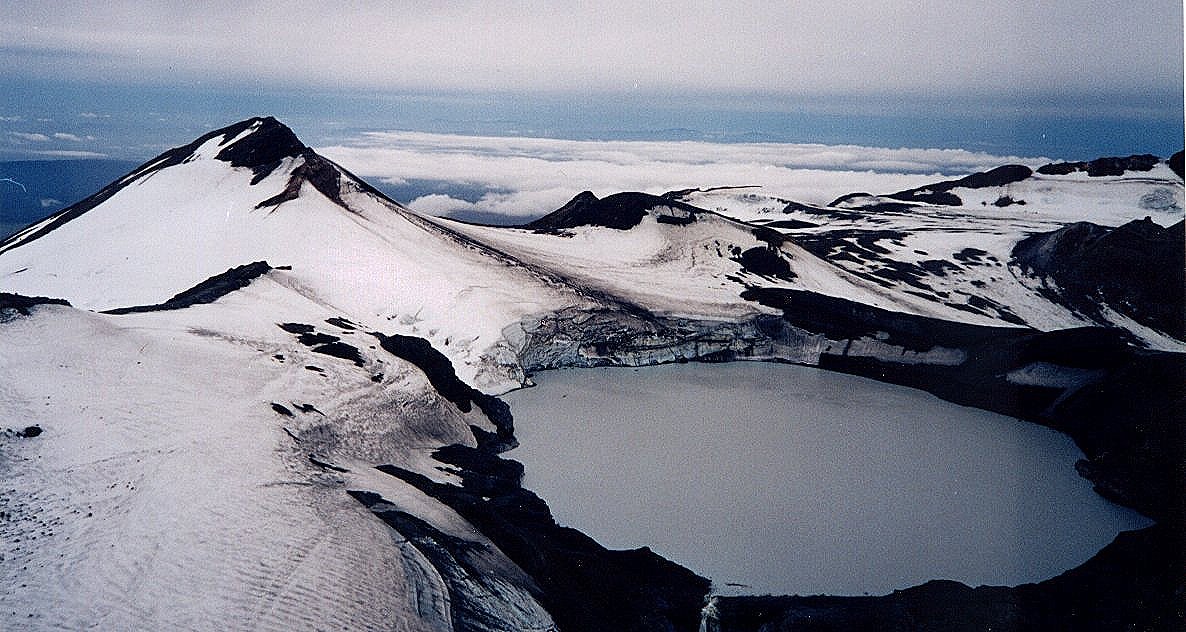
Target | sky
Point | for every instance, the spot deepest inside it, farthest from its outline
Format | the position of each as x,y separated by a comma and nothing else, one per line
1072,78
844,47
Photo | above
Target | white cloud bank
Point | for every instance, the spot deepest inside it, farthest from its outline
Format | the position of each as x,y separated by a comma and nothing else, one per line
32,137
527,177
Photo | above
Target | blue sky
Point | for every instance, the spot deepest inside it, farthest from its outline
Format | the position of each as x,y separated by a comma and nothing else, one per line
1071,79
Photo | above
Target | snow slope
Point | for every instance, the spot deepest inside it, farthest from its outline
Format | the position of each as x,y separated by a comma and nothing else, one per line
693,269
167,229
960,255
180,497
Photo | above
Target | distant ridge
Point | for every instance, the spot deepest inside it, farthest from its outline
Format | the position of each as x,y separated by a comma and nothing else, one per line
621,211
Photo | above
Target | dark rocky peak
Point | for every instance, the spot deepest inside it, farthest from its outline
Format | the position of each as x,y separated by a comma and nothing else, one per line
1175,163
259,143
1138,269
268,142
263,143
940,192
1107,166
621,211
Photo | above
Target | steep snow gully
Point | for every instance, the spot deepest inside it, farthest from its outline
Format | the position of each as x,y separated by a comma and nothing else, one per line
265,394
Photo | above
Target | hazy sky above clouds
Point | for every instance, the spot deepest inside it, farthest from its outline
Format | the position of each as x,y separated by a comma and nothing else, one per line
921,46
1073,79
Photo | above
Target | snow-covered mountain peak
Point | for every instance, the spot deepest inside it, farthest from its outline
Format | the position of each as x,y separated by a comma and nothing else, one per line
259,157
258,143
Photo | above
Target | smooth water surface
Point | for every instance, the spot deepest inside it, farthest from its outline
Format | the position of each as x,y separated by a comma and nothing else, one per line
783,479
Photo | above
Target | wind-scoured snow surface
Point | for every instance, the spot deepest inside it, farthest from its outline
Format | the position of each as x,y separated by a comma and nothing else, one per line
193,463
196,457
166,491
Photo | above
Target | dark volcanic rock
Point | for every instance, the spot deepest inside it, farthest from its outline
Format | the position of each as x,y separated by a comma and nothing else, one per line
1117,166
621,211
790,224
324,343
341,323
1086,598
460,563
1175,163
21,303
339,349
584,586
440,373
314,338
849,197
263,149
324,175
1108,166
940,192
1138,269
1000,176
765,261
207,291
1062,168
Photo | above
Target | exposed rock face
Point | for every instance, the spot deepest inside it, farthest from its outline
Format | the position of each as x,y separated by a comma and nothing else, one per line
940,192
1175,163
21,304
207,291
1138,269
1085,598
1108,166
588,338
443,378
263,149
583,586
621,211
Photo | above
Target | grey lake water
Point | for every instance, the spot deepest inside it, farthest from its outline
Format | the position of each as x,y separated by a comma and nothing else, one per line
783,479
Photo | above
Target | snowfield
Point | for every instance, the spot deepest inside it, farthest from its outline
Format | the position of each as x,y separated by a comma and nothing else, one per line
968,246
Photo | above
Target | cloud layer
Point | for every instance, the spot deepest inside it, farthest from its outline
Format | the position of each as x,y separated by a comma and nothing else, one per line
928,46
527,177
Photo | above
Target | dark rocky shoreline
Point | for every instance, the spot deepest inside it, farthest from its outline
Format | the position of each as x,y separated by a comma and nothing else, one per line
1122,405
